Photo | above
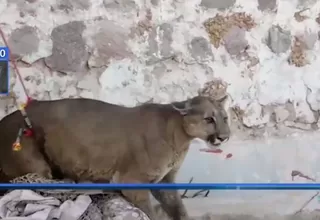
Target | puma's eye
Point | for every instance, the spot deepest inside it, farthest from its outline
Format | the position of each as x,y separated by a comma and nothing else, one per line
209,120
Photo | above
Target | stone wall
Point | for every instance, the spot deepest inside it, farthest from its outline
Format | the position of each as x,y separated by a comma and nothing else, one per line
264,53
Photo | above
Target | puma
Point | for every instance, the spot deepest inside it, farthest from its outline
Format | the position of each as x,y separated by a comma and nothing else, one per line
90,140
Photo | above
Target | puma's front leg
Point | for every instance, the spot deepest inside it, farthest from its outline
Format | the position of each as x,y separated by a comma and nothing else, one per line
139,198
170,200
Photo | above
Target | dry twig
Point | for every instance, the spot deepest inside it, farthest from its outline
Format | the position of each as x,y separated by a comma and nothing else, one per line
185,191
196,193
295,173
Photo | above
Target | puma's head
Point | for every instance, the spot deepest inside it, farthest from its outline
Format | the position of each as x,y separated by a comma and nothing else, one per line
205,118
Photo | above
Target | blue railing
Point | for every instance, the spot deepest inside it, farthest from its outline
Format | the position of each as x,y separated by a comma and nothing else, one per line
182,186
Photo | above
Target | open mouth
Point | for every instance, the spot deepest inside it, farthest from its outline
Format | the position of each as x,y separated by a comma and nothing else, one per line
215,141
212,140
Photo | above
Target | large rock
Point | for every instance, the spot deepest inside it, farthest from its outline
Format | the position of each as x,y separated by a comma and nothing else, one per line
160,40
265,5
306,2
155,2
88,82
216,88
303,113
27,6
69,5
254,115
235,41
159,69
124,5
108,41
281,114
29,44
69,53
278,40
308,39
24,41
118,208
200,49
218,4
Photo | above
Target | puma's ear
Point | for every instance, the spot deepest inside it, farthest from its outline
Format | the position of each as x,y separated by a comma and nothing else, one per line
223,100
184,110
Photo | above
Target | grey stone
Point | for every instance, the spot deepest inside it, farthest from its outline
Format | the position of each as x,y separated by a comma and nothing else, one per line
278,40
309,39
200,49
292,113
109,42
159,70
22,1
235,41
160,39
69,52
120,4
306,2
155,2
281,114
24,41
69,5
254,115
303,113
26,6
216,88
265,5
166,31
218,4
119,208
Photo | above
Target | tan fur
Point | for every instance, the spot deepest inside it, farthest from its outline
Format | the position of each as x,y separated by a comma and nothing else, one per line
89,140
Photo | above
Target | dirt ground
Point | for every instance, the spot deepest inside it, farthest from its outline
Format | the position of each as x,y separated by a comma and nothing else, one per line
260,206
315,215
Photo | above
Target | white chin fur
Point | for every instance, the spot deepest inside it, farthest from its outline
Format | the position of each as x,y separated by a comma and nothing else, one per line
214,145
